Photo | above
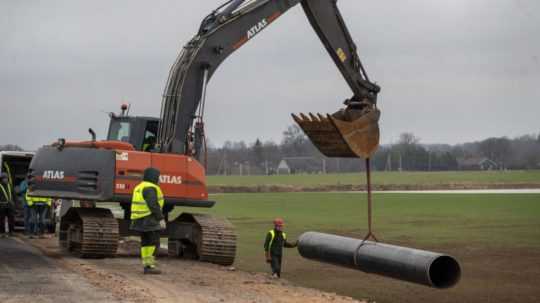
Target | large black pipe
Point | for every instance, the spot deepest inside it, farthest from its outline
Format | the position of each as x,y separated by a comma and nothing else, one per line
403,263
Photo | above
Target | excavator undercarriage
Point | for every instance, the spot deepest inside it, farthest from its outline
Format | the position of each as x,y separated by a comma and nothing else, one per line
91,232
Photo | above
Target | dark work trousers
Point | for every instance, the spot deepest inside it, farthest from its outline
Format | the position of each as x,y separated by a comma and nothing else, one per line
151,238
6,212
27,220
276,265
39,218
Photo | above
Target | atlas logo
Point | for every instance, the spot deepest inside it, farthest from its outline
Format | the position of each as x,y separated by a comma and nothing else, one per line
257,28
53,175
170,179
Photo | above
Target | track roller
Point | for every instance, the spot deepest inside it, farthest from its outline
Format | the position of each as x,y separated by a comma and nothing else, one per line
89,232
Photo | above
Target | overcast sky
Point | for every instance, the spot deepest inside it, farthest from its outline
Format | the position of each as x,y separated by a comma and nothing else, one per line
451,71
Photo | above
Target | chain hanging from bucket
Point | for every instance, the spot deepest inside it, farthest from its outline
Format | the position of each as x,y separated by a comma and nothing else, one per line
370,233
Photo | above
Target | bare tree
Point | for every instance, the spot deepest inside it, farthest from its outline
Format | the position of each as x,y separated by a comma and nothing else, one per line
408,139
258,153
496,149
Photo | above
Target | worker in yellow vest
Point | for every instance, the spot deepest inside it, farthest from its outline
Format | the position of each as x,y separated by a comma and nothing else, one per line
39,210
6,206
275,240
147,218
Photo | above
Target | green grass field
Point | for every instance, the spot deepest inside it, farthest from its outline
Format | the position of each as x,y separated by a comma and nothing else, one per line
384,178
474,228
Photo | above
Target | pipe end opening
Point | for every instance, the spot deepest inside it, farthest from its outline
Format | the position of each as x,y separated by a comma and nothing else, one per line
444,272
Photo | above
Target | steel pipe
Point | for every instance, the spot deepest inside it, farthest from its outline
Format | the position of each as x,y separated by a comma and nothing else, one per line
403,263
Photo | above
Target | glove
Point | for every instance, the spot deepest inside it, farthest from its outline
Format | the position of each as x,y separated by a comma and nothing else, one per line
163,224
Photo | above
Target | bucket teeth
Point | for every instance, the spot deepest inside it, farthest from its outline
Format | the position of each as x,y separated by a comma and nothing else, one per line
346,133
304,117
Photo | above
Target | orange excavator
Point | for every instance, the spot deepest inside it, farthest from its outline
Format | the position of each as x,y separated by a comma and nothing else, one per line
107,171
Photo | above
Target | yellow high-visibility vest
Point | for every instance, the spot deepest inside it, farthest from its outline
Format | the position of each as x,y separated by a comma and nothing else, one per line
31,201
5,192
10,180
139,207
273,235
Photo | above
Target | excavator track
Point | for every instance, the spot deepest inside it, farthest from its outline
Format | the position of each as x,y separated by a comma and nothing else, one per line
89,232
203,237
218,242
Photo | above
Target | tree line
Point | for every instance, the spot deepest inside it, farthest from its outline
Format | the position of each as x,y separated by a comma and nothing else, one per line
408,153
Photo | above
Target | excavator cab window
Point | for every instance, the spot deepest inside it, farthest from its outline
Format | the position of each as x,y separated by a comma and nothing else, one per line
120,130
150,136
141,132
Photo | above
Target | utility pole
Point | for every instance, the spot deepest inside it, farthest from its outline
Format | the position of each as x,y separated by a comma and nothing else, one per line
429,160
400,162
389,162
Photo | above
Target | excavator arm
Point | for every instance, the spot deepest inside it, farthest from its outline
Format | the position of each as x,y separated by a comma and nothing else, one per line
231,26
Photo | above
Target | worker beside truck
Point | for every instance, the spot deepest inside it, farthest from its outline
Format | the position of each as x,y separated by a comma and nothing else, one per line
39,209
23,188
7,206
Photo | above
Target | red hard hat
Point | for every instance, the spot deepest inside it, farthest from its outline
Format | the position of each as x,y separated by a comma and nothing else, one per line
278,222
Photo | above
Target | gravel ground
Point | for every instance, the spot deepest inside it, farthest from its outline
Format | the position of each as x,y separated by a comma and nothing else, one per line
37,271
26,275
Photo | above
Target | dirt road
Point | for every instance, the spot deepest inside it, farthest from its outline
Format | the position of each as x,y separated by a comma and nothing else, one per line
37,271
26,275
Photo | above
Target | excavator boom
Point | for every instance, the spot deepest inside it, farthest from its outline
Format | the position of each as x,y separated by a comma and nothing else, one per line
228,29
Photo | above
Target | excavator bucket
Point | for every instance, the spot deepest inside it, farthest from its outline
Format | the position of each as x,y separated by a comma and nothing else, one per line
348,133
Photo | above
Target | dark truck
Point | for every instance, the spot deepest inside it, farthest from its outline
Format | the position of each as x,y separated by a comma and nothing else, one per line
16,164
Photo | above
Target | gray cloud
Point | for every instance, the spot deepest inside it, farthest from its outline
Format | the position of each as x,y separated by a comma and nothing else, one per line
451,71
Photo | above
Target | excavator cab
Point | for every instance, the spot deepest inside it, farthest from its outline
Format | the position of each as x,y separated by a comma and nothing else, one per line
141,132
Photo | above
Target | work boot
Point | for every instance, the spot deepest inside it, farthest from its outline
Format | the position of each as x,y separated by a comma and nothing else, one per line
151,271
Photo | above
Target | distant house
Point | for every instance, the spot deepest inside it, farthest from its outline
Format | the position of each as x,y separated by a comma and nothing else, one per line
283,168
299,165
477,163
